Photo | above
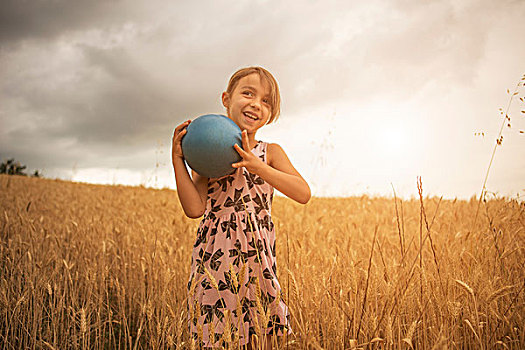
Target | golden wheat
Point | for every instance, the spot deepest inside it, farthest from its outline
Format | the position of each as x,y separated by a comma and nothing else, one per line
87,266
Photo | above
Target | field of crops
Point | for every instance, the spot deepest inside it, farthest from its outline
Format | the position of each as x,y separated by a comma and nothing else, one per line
90,266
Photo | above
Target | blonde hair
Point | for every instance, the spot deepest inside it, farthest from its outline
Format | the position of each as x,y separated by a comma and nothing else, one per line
275,96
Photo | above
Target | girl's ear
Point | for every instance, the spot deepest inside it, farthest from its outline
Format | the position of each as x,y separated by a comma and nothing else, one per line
226,100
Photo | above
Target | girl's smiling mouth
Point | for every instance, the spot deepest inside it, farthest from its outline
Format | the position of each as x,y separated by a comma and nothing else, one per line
250,116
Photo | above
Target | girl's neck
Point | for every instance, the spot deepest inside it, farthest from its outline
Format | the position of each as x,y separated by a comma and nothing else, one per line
251,140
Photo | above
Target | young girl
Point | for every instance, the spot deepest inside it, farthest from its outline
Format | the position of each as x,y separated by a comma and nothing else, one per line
233,287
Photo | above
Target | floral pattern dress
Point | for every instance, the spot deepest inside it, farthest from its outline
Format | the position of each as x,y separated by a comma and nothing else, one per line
233,290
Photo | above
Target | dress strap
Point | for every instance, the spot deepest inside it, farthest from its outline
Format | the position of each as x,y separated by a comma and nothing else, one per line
263,151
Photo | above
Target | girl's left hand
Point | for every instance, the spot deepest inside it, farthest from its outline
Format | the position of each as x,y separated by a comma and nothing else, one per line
252,163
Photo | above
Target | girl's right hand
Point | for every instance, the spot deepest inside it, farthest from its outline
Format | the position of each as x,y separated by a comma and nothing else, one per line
176,146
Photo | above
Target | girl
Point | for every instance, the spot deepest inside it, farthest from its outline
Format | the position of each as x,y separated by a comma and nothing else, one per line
233,287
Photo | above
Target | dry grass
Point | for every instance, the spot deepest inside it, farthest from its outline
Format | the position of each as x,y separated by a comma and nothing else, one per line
86,266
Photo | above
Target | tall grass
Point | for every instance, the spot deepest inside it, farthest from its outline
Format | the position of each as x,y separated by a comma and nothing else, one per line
87,266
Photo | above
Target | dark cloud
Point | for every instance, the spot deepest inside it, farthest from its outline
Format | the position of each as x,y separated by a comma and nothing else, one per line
47,19
126,94
101,81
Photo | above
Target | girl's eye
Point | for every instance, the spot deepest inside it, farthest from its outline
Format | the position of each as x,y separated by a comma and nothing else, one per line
267,101
247,93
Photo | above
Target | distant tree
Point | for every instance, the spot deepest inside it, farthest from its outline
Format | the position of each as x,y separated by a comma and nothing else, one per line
10,167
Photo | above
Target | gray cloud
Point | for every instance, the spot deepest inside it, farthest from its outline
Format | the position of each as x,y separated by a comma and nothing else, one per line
98,81
45,20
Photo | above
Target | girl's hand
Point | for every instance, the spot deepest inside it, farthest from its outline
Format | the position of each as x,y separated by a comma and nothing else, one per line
176,147
252,163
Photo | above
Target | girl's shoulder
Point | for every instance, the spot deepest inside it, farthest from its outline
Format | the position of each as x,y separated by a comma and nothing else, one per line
274,152
273,147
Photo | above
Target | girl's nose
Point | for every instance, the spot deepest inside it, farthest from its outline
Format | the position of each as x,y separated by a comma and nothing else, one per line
256,103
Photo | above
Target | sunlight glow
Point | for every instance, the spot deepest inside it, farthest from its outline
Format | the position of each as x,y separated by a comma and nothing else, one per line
393,140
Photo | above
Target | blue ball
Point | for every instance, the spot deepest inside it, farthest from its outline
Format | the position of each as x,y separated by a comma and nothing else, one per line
208,145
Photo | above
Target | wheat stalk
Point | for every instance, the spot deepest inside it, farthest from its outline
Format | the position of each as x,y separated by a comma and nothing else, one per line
212,279
465,287
499,293
410,334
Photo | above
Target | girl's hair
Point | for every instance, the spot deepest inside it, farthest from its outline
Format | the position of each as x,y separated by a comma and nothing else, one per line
275,97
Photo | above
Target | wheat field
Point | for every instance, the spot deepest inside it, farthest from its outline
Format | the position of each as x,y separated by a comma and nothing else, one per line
103,267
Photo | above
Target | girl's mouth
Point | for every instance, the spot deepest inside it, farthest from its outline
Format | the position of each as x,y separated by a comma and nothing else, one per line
250,116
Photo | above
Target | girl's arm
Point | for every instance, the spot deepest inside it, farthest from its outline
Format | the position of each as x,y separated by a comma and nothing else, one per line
192,192
279,172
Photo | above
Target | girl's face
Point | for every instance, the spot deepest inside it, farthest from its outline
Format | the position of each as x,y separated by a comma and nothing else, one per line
249,103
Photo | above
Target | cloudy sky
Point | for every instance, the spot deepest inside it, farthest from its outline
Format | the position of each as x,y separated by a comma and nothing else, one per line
374,93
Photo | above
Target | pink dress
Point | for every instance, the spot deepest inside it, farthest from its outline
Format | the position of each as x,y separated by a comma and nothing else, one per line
233,281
